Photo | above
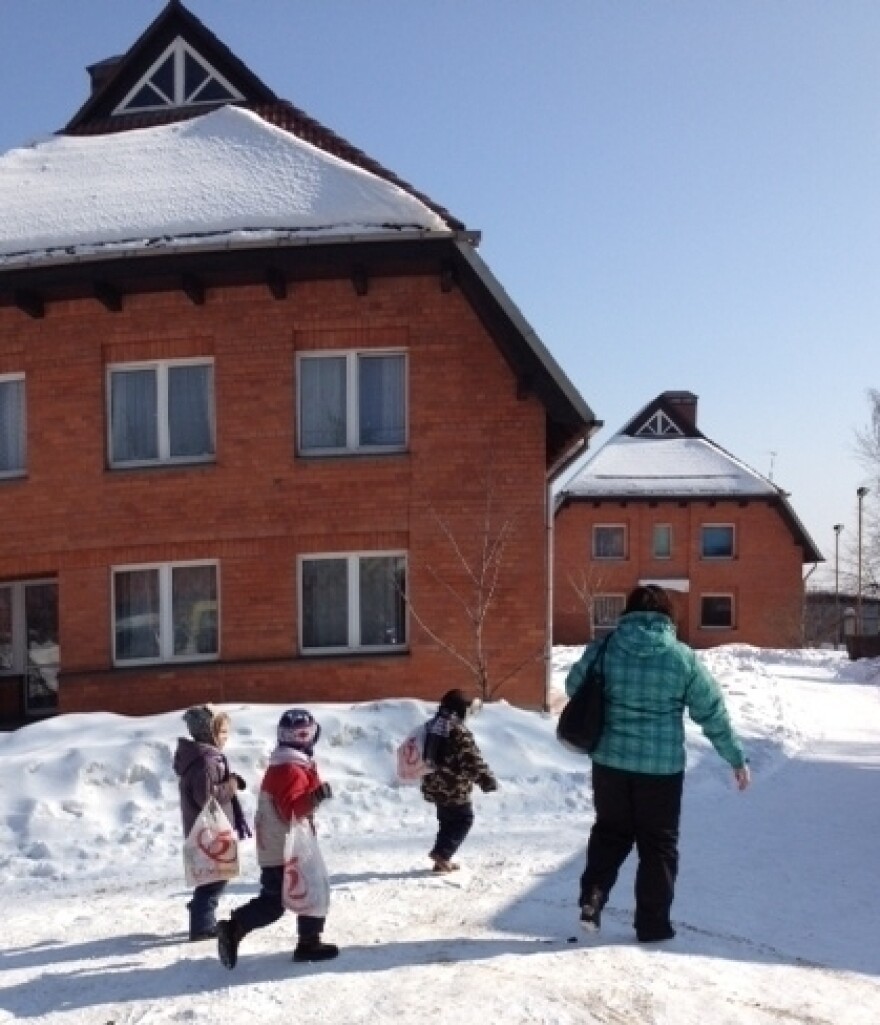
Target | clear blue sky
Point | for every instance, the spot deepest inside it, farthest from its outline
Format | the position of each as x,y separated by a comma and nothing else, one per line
676,194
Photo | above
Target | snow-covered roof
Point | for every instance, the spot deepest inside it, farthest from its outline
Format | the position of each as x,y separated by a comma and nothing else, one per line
228,175
666,466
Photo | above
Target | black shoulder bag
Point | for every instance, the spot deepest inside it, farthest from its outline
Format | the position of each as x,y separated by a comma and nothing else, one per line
582,720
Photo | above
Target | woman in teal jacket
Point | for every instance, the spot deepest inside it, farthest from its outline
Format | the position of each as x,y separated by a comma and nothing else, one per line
651,678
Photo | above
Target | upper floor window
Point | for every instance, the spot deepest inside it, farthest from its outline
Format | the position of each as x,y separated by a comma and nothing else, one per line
165,613
662,541
607,609
716,611
716,541
609,542
12,425
352,602
161,412
352,402
179,78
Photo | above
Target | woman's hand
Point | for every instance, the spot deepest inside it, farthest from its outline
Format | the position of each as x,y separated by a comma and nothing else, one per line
743,777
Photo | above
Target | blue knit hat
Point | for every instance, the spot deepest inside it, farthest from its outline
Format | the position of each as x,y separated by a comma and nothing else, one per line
297,728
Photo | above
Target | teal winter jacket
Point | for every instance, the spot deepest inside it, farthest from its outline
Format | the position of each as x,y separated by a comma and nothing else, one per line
651,678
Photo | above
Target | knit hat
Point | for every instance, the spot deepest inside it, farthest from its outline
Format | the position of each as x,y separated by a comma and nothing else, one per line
297,728
457,702
200,722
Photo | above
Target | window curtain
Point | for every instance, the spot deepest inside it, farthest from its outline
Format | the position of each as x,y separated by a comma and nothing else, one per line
382,400
194,609
322,403
133,416
136,614
12,426
190,411
382,600
6,657
325,603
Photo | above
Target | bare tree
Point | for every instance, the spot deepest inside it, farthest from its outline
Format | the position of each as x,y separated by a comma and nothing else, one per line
473,588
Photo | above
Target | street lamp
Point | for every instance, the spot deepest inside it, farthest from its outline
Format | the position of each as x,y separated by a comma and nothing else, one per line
838,527
860,492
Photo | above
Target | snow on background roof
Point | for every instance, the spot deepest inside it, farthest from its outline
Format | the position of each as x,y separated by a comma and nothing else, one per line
228,171
666,466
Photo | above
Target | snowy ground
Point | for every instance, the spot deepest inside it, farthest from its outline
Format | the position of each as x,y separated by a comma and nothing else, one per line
777,907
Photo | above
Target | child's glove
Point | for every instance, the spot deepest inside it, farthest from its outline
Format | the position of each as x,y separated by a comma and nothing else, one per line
322,793
239,782
489,784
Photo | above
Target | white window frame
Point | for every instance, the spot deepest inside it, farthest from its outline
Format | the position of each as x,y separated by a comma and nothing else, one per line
719,626
163,426
610,526
180,48
668,528
718,526
602,627
22,470
354,611
166,613
352,398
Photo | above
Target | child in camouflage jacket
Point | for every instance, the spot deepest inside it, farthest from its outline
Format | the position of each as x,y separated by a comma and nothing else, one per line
457,765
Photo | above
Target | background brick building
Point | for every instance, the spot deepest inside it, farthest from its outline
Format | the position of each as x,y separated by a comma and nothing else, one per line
661,503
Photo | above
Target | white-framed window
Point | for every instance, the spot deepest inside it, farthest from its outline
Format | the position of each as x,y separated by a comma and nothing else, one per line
353,601
180,77
350,402
12,425
607,610
716,611
160,412
29,640
661,541
717,541
609,541
165,612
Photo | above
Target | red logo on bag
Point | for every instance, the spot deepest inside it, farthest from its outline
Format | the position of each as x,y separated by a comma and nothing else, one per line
297,888
218,846
411,754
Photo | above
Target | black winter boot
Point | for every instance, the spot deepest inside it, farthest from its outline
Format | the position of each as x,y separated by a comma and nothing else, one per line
591,910
310,948
229,935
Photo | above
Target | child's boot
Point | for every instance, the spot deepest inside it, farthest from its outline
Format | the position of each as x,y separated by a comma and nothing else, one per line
310,948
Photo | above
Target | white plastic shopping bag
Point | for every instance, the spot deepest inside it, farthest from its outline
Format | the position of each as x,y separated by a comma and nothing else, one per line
306,886
411,764
210,852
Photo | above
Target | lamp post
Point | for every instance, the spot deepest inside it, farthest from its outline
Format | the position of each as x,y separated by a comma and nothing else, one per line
860,492
838,527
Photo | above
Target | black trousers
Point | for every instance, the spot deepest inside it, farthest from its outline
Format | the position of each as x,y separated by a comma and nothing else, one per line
454,824
641,810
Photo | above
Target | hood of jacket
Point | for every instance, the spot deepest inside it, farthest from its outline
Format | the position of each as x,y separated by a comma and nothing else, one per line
191,751
644,634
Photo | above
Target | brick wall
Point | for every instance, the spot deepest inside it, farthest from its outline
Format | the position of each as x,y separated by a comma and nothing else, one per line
764,578
258,507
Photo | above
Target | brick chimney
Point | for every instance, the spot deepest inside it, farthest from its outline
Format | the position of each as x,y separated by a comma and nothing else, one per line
684,405
102,71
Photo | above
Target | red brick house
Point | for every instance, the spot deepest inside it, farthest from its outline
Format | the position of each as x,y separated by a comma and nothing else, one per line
259,399
662,503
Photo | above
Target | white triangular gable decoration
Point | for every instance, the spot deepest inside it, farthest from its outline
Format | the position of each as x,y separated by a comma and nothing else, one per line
659,426
180,77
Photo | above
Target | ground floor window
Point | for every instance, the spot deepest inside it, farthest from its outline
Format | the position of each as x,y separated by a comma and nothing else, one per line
29,651
352,602
607,610
165,613
716,611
